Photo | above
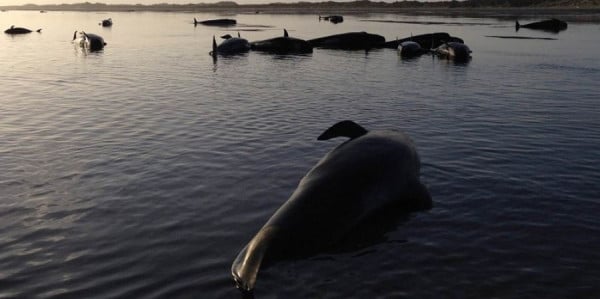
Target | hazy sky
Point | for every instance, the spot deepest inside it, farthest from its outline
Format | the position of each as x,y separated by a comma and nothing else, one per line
39,2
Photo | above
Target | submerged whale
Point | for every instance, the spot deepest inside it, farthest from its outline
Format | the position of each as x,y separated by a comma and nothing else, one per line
349,41
372,172
19,30
106,22
332,18
426,41
553,25
454,51
231,45
410,49
283,45
89,41
216,22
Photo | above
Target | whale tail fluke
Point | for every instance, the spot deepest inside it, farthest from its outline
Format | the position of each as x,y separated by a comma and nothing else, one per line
346,128
195,21
248,262
517,25
285,33
39,30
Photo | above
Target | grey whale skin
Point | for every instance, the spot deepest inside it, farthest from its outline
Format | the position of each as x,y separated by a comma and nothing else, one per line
372,172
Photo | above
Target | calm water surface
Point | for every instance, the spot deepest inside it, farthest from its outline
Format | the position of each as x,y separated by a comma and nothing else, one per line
141,171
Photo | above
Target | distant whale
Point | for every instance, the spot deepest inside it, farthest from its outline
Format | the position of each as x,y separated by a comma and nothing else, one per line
349,41
454,51
231,45
371,173
216,22
107,22
282,45
19,30
333,18
553,25
89,41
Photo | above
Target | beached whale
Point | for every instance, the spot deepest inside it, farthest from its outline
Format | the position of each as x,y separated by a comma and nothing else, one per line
553,25
369,175
282,45
454,51
89,41
230,46
426,41
349,41
216,22
19,30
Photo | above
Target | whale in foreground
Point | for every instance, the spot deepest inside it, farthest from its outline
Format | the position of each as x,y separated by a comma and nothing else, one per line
372,172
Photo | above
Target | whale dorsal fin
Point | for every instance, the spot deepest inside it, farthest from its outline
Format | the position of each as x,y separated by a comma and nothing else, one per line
285,34
346,128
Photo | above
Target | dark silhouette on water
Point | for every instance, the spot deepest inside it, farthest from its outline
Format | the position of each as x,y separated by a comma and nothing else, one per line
457,52
411,49
107,22
231,45
216,22
19,30
335,19
89,41
551,25
372,175
283,45
426,41
349,41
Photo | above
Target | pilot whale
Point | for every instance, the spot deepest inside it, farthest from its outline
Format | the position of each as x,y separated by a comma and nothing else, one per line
372,172
19,30
458,52
349,41
231,45
89,41
283,45
552,25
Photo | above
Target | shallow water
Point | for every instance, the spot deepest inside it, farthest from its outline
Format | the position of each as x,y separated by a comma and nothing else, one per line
141,171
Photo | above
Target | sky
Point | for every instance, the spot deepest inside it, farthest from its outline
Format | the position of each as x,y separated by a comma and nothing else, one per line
146,2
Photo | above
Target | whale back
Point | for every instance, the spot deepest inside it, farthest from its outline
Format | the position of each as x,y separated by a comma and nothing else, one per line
353,182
